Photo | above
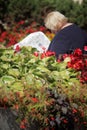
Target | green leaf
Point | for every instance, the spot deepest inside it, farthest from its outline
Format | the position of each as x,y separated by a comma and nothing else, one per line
43,69
14,72
17,86
5,66
7,79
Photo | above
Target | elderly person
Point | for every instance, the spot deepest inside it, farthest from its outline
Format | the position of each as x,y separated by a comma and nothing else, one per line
68,36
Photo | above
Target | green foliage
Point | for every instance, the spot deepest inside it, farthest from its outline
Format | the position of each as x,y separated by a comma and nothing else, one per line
21,9
42,89
84,13
3,8
77,14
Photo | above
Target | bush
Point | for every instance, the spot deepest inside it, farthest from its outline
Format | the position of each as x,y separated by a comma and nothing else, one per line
3,8
39,88
21,9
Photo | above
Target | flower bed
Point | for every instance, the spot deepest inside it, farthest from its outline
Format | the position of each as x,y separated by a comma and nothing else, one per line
19,31
39,88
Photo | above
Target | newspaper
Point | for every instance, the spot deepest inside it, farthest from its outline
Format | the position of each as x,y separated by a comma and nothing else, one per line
36,40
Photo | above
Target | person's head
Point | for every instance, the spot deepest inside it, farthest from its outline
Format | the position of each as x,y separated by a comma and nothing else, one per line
55,21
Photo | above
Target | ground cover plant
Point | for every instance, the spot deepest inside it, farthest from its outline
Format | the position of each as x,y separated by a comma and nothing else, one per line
39,87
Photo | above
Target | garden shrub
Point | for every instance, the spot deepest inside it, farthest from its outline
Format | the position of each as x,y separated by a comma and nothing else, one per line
3,8
39,88
21,9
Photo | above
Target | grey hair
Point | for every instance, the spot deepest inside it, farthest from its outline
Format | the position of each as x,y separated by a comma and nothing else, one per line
55,20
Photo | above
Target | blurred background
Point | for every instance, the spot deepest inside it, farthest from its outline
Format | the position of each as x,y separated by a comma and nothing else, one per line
12,11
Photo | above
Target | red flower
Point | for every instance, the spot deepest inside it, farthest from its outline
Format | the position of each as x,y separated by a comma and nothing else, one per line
79,65
42,28
35,100
58,60
5,99
78,52
69,64
30,30
17,49
76,119
74,110
16,106
84,122
65,121
21,22
84,76
52,118
47,54
73,58
82,113
23,124
4,34
85,48
43,55
36,54
65,55
86,62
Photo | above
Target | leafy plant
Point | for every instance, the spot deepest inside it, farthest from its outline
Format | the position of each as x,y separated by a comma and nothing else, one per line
40,88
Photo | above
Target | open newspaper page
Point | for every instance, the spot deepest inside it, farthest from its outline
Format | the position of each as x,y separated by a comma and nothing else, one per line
36,40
